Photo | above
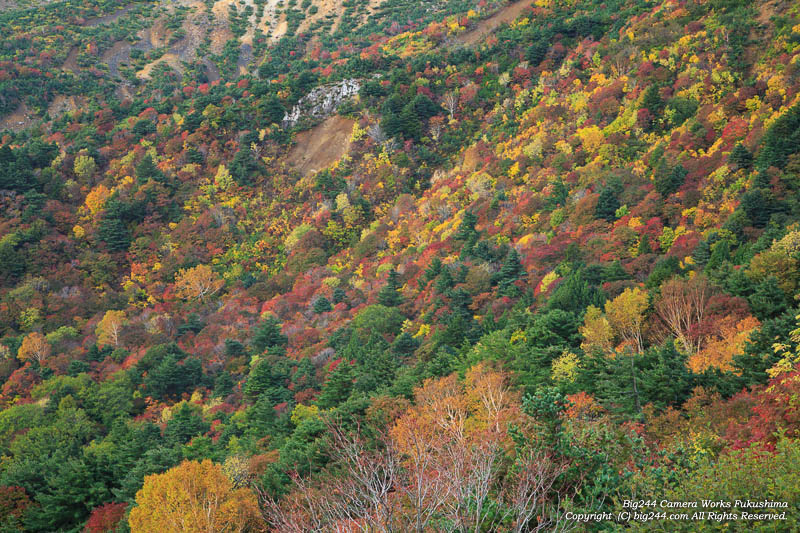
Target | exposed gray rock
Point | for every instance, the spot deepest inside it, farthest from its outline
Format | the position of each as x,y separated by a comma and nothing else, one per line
322,101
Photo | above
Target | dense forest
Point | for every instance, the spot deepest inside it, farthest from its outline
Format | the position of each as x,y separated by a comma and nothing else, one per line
399,265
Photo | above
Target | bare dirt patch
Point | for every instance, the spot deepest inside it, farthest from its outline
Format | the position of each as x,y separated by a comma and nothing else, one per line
221,11
322,145
767,10
212,72
71,63
220,35
761,32
168,58
65,104
221,7
326,9
119,53
123,92
273,24
157,35
195,27
487,26
245,58
18,120
108,19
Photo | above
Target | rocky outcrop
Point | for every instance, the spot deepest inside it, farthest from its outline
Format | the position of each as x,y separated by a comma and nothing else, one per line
322,101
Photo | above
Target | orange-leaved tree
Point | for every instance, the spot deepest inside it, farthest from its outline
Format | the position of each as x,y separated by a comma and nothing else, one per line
720,349
448,458
193,497
34,347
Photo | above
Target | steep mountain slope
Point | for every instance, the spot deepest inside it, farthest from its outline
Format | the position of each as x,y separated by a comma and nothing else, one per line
559,235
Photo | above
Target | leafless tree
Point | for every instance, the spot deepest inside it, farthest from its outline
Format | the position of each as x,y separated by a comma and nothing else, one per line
376,133
548,81
682,307
621,62
426,486
371,478
450,102
358,498
726,36
433,466
297,514
436,128
391,145
473,473
527,499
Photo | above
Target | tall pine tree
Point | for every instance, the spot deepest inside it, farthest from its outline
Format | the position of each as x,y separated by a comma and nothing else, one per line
337,387
390,295
510,272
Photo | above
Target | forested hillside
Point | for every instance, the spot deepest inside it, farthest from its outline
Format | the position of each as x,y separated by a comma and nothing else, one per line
400,265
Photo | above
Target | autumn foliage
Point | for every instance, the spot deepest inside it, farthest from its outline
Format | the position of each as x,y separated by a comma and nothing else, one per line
34,347
197,283
105,518
416,266
446,458
109,328
193,496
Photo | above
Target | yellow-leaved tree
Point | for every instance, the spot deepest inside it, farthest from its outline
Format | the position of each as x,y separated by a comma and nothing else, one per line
110,327
84,166
197,283
789,352
564,369
624,320
193,497
596,332
625,313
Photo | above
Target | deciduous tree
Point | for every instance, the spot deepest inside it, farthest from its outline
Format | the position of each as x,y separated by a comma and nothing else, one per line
720,350
626,315
109,328
596,331
84,166
450,102
682,307
106,518
34,347
197,283
193,496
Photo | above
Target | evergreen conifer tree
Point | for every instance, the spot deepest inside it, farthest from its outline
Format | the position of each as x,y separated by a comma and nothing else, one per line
322,305
268,335
337,387
607,204
112,229
510,272
390,295
741,157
